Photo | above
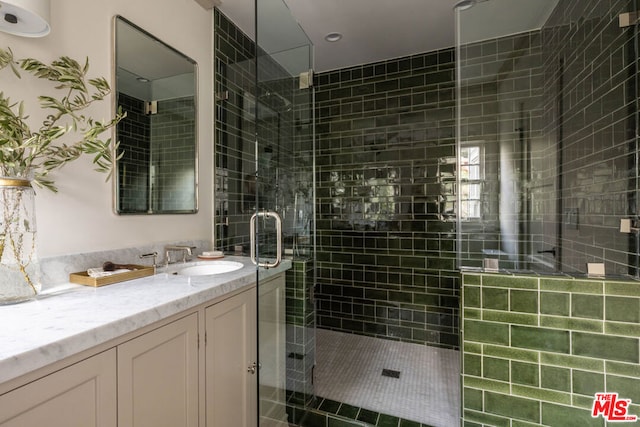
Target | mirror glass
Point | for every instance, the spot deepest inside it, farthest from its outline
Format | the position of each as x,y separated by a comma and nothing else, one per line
156,86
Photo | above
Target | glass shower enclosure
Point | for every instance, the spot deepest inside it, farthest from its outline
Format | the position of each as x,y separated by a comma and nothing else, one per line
264,191
547,138
284,191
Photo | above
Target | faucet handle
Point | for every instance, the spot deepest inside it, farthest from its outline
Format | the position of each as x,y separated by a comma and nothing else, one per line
153,255
186,251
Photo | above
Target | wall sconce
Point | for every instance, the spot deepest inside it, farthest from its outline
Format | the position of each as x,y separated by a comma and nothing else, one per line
27,18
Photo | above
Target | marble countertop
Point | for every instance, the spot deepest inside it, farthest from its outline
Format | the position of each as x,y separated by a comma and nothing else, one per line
72,318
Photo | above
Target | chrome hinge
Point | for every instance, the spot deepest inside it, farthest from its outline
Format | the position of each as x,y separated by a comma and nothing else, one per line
628,19
306,79
222,96
151,108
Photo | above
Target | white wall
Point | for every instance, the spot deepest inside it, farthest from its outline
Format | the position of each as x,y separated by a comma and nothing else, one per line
80,218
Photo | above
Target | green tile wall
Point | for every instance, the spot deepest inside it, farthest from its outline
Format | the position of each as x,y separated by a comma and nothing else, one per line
134,133
386,231
300,337
546,372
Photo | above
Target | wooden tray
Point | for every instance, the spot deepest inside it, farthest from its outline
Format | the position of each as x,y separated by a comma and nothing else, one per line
82,278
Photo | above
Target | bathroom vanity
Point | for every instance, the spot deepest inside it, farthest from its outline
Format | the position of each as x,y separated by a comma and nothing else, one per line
166,350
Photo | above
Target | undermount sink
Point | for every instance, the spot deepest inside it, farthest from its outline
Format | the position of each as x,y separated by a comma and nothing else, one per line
215,267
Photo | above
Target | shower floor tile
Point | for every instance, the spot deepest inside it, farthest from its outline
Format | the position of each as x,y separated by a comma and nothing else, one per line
349,369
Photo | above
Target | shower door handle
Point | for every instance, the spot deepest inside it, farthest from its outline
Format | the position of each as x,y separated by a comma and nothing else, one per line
254,219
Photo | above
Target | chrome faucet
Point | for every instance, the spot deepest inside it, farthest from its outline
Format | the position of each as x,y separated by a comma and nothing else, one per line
153,255
186,253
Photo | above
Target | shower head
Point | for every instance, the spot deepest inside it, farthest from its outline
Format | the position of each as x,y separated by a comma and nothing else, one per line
276,101
466,4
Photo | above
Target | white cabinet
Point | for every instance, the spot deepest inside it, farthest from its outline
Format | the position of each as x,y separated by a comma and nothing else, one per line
231,386
155,377
157,385
232,374
80,395
158,377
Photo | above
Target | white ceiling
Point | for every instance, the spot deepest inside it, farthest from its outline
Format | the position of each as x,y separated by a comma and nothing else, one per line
375,30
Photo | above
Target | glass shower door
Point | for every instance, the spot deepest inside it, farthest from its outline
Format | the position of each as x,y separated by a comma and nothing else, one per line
283,221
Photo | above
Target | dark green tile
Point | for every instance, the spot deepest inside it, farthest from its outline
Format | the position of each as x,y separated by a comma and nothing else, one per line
581,402
572,323
510,317
406,297
627,388
314,419
605,347
471,296
524,373
408,423
387,421
540,339
503,281
575,362
624,369
509,353
571,285
554,303
472,365
486,419
486,384
524,301
587,306
555,378
486,332
472,399
471,279
341,422
631,288
516,423
412,262
566,416
621,309
348,411
512,407
541,394
495,299
623,329
587,383
368,416
495,369
329,405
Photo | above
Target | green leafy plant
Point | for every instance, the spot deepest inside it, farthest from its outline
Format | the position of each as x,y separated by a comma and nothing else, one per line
26,152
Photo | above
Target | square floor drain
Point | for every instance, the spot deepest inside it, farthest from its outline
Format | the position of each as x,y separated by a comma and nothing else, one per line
390,373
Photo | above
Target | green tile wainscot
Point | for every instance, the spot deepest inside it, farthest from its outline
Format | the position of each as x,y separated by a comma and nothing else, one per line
537,349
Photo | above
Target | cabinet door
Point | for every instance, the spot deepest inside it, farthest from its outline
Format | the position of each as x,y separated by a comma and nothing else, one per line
230,352
158,377
81,395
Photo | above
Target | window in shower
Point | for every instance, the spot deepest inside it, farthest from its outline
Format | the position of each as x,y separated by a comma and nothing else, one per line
471,182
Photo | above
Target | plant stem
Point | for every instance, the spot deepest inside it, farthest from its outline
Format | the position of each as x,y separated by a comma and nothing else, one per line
12,202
